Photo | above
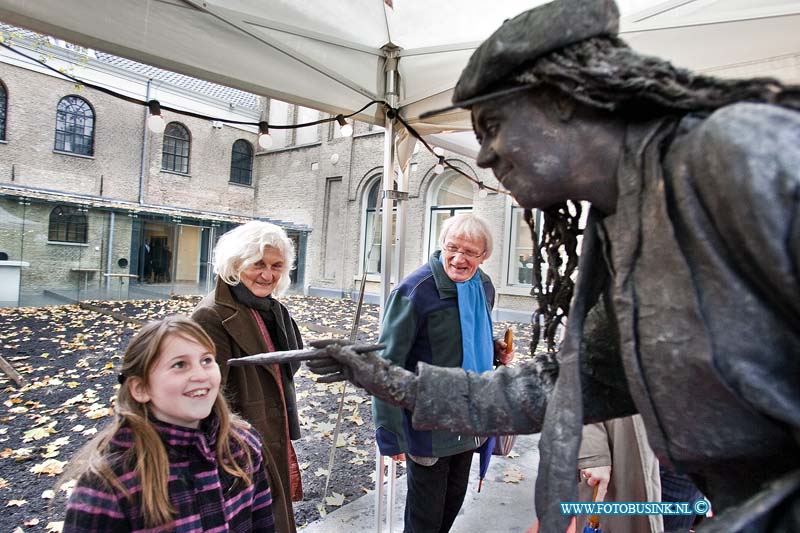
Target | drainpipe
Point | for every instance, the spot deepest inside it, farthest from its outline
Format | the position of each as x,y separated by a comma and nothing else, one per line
109,264
145,145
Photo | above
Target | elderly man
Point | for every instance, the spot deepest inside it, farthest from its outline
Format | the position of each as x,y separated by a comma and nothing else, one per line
438,315
687,307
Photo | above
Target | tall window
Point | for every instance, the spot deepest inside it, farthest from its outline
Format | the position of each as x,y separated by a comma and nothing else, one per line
309,134
67,224
74,126
175,154
279,115
451,194
242,163
3,108
373,228
520,249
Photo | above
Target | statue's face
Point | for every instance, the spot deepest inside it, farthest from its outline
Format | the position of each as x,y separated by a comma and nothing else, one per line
527,148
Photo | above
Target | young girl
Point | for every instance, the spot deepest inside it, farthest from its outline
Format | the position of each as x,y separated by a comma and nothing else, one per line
175,458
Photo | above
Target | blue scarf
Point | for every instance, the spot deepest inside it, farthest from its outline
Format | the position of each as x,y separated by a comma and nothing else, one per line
477,343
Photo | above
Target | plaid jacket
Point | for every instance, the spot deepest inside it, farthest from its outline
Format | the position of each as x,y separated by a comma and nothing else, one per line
205,497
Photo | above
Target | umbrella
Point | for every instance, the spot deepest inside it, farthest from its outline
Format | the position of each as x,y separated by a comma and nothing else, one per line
485,452
593,523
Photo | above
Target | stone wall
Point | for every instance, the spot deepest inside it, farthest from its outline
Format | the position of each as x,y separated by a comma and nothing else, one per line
28,157
321,184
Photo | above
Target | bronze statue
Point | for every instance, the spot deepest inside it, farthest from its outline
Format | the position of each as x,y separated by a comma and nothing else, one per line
687,307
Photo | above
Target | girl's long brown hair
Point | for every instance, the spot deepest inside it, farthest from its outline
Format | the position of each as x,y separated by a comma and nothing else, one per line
148,455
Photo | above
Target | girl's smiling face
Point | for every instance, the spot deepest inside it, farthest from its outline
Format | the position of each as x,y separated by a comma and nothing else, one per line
183,383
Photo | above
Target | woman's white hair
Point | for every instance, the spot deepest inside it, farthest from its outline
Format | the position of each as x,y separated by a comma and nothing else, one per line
467,226
244,246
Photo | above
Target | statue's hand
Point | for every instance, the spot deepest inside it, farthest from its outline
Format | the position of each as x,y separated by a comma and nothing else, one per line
390,383
329,369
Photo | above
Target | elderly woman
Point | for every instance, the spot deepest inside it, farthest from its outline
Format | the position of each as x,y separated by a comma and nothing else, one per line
243,318
439,315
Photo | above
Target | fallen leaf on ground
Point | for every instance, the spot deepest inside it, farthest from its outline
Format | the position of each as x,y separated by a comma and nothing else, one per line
51,467
335,499
49,494
512,475
325,427
100,413
55,527
321,472
37,433
16,503
356,418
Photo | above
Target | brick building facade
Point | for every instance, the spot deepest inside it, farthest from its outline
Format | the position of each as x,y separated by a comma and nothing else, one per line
135,191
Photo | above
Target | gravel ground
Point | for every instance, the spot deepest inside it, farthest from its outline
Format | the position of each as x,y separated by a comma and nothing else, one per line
69,356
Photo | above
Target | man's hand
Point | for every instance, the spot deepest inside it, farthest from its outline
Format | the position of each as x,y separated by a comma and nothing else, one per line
502,355
390,383
504,349
600,476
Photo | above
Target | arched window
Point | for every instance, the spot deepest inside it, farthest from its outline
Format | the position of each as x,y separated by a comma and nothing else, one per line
74,126
451,194
373,227
242,163
175,153
3,109
67,224
520,247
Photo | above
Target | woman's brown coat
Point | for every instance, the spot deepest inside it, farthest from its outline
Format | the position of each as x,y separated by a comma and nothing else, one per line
253,391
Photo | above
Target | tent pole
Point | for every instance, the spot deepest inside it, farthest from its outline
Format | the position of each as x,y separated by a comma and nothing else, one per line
387,238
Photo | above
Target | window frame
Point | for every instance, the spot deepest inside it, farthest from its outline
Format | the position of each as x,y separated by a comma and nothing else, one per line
434,208
72,229
172,142
69,119
511,259
3,110
374,182
241,174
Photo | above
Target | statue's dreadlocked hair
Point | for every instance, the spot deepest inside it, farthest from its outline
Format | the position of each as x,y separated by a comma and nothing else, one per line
556,243
605,73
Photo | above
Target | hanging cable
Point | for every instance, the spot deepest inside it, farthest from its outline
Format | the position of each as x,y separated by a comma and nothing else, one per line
201,116
157,123
437,150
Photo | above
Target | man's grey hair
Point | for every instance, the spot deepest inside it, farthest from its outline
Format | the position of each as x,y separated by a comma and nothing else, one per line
244,246
468,226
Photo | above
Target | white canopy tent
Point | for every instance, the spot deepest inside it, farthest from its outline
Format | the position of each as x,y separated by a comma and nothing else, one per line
337,56
332,56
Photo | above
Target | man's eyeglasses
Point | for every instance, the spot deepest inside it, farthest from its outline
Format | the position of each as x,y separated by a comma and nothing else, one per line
449,248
